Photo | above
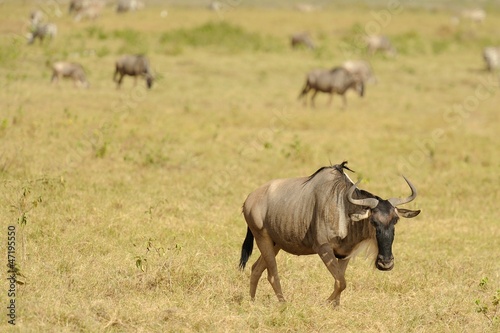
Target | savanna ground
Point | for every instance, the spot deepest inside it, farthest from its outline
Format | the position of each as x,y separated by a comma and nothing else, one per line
127,202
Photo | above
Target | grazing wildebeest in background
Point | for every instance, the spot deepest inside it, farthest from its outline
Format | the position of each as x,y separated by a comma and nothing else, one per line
133,65
75,6
322,214
361,70
215,6
70,70
491,56
334,81
376,43
301,39
306,8
476,15
86,9
128,6
42,31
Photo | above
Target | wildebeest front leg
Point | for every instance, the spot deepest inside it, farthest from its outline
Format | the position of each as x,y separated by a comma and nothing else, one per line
257,269
337,269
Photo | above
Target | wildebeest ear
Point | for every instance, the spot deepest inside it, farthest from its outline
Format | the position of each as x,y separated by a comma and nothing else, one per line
358,217
407,213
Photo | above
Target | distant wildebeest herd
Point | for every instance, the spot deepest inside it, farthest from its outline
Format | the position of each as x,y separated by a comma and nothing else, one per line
132,65
351,75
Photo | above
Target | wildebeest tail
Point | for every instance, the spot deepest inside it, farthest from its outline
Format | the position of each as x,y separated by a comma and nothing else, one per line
246,249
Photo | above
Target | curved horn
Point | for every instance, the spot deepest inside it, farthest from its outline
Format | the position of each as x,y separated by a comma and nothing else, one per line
398,201
368,202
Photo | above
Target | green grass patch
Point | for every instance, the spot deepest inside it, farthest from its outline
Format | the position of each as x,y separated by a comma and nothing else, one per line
222,36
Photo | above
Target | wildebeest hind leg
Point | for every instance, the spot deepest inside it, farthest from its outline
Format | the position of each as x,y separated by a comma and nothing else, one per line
337,269
268,253
330,99
257,269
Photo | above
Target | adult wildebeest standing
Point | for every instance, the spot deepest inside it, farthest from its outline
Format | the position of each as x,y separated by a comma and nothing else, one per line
491,56
361,70
70,70
301,39
133,65
42,31
379,43
337,80
322,214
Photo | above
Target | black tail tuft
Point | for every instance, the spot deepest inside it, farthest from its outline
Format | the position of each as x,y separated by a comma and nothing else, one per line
246,249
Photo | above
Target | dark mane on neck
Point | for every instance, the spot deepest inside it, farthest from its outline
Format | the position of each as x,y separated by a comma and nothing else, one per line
339,167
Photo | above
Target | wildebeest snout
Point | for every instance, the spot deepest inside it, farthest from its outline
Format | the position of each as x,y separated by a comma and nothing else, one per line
384,263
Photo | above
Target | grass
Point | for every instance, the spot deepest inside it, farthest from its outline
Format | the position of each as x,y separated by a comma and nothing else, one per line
127,202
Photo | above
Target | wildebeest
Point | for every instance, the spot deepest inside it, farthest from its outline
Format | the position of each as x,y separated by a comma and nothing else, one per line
476,15
361,70
301,39
128,5
76,6
306,8
491,56
70,70
334,81
133,65
379,43
36,17
90,9
322,214
215,6
42,31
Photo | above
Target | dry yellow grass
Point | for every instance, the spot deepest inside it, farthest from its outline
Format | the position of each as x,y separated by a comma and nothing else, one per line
137,224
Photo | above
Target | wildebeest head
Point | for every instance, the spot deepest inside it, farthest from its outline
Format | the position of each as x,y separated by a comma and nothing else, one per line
383,216
149,80
360,88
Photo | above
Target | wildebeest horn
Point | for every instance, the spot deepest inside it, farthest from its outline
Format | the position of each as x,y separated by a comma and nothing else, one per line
398,201
367,202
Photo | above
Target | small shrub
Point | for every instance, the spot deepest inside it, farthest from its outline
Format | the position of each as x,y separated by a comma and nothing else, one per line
440,46
133,41
102,52
11,53
490,309
409,43
96,32
221,35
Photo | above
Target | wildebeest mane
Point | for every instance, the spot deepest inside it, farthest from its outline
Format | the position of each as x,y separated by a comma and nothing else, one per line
339,167
335,69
